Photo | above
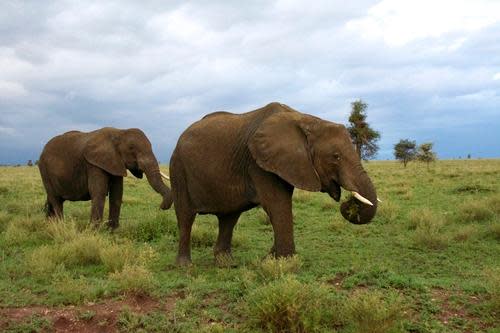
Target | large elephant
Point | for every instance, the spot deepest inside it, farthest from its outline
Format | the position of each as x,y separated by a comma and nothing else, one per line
80,166
228,163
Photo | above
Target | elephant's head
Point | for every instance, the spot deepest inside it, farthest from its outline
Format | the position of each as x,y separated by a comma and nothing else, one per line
314,155
117,151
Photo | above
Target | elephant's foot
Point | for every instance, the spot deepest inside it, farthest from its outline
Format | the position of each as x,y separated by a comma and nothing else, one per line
224,260
183,261
112,226
281,252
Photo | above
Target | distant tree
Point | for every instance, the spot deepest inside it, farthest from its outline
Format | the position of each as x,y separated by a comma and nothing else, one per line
30,163
363,136
36,162
405,151
425,153
468,156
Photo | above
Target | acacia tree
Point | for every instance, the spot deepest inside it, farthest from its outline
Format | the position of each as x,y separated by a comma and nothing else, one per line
405,151
363,136
425,153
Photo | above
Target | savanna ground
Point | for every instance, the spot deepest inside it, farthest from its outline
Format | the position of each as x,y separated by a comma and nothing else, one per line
429,262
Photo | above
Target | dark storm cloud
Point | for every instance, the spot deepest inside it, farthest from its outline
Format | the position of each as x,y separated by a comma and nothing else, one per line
162,65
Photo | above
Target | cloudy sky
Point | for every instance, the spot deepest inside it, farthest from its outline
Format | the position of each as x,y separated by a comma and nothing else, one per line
429,69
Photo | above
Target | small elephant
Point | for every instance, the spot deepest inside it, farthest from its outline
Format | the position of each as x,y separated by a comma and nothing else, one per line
228,163
80,166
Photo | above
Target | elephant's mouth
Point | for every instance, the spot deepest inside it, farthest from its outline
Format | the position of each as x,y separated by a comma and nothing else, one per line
136,172
333,189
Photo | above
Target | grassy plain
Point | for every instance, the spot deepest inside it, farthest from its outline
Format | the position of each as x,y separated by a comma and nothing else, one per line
429,262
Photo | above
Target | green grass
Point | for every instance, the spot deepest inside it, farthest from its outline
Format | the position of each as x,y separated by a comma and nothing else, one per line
429,261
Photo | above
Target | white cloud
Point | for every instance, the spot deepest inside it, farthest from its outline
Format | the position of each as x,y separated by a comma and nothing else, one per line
159,65
398,22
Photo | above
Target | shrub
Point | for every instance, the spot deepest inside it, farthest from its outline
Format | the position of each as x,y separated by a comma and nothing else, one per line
368,311
275,268
475,211
287,305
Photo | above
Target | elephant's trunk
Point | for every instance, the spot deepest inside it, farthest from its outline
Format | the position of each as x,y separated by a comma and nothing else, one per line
152,171
354,210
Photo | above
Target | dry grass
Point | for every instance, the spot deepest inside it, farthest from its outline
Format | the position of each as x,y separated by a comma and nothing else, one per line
474,211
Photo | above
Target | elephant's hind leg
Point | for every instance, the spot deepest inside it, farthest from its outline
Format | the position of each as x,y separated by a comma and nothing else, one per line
226,227
185,221
54,207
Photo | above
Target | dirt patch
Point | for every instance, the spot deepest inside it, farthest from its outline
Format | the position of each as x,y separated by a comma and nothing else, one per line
91,317
338,280
453,313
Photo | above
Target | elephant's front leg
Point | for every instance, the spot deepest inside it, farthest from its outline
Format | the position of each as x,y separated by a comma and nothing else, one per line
98,181
115,201
275,196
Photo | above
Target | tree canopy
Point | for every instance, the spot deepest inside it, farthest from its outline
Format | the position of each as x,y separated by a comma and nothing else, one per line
425,153
363,136
405,150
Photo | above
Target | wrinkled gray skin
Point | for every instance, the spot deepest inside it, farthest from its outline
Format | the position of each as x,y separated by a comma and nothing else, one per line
80,166
228,163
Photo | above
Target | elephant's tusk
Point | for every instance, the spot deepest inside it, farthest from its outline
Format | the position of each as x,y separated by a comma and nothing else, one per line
361,198
379,200
164,176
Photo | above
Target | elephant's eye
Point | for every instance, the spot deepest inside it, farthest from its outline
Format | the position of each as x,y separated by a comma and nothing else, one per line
336,156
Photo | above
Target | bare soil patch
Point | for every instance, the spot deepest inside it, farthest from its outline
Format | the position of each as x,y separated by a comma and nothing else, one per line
90,317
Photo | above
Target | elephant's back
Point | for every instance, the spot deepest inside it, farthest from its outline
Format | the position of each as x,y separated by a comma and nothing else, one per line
63,144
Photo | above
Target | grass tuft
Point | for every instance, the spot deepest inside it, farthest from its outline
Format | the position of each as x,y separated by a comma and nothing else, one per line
370,311
475,211
387,212
134,279
287,305
428,228
275,268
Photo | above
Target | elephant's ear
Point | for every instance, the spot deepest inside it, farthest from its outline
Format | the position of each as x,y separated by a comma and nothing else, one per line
280,146
101,152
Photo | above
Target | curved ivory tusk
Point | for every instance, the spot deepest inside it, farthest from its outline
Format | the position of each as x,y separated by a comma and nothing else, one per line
361,198
164,176
379,200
